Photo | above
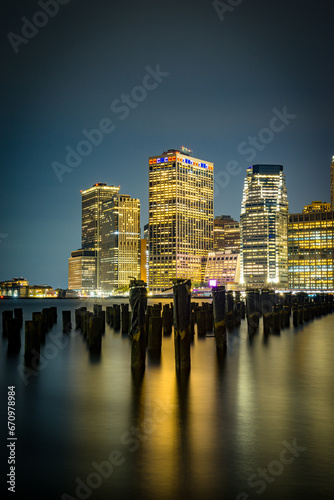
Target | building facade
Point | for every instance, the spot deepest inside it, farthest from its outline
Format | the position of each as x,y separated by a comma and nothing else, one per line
263,228
180,217
82,271
92,200
332,184
226,234
120,242
311,248
223,268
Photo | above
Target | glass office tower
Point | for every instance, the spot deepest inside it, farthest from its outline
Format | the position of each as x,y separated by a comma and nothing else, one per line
263,228
92,200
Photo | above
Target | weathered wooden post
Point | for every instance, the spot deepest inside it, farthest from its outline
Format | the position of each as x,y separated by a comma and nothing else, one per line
78,317
109,310
54,314
276,319
32,340
267,311
219,313
252,318
138,303
182,318
97,308
117,317
13,334
295,311
5,315
94,336
167,320
154,338
230,309
300,298
201,322
243,309
125,318
18,314
286,316
102,315
209,318
41,327
67,325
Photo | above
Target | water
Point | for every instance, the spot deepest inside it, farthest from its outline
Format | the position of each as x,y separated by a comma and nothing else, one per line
221,433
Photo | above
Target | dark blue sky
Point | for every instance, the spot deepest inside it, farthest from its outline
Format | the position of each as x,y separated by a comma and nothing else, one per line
227,80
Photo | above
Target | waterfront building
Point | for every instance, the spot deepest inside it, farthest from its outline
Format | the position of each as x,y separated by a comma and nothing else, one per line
82,271
120,242
263,228
180,217
311,248
223,268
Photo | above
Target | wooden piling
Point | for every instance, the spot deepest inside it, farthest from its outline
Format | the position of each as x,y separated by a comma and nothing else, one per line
117,317
182,318
125,318
32,341
13,334
67,325
219,314
167,320
5,315
138,303
18,314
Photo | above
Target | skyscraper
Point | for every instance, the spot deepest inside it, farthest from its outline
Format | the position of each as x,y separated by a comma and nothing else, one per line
263,224
180,217
332,183
92,200
120,242
311,248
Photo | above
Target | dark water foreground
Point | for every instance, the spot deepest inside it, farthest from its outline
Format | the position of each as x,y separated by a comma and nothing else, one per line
258,424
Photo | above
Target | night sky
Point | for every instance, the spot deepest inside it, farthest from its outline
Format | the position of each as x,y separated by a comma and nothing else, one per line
221,79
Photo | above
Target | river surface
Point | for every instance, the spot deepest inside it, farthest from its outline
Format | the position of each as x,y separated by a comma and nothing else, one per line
255,424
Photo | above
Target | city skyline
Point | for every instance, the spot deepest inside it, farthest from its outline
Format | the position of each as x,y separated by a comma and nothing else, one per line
247,89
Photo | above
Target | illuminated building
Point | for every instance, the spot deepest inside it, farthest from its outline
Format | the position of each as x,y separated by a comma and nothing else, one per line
92,200
82,270
17,287
226,234
317,206
263,225
332,183
223,267
147,237
120,242
311,248
143,260
180,217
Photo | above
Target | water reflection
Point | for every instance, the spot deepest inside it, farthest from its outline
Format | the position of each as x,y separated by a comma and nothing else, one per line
202,434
